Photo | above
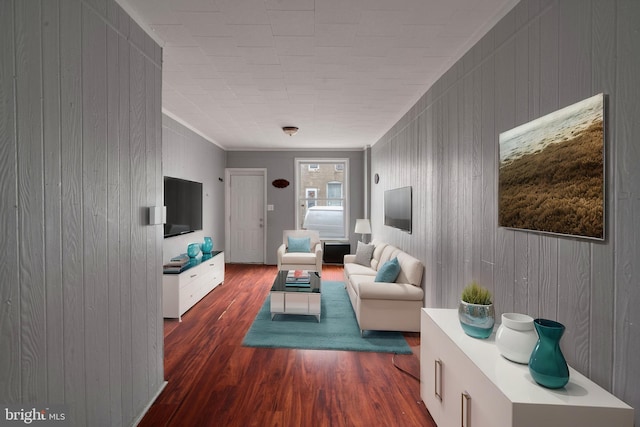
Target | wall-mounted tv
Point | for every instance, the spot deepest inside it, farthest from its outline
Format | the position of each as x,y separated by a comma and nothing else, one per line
397,208
183,200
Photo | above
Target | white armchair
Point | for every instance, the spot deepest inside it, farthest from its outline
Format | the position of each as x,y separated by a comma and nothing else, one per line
311,260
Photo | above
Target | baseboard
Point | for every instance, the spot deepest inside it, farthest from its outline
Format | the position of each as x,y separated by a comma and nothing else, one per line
146,408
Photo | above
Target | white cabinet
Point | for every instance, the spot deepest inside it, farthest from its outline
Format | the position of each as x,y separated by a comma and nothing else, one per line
466,382
181,291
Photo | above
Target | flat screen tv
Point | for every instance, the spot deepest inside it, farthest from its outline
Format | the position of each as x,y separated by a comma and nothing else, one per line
183,200
397,208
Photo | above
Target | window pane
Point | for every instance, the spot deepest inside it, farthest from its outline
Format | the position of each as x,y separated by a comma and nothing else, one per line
311,194
334,194
321,198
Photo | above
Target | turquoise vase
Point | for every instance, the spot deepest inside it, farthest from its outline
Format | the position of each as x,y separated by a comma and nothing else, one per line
477,320
207,246
547,364
193,250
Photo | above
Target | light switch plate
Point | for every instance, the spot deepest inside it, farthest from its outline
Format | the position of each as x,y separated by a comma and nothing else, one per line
157,215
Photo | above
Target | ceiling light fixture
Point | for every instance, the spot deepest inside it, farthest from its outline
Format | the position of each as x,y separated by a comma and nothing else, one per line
290,130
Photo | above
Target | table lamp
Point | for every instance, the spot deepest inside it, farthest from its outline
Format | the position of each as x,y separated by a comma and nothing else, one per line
363,226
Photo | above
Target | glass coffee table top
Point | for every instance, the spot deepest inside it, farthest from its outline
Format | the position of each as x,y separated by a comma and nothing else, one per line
280,283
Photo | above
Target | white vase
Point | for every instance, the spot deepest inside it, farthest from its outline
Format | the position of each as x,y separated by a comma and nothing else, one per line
516,337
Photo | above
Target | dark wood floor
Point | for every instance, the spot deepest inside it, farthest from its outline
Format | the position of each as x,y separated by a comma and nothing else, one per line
214,381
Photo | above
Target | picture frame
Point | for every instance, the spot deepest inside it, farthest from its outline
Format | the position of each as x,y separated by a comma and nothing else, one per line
551,172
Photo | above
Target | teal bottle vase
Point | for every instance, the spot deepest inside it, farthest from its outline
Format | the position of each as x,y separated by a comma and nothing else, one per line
547,364
207,246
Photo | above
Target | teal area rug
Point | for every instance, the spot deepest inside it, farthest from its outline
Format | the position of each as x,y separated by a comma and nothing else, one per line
337,330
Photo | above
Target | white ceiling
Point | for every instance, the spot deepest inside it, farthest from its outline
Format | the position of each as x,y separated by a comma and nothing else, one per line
343,71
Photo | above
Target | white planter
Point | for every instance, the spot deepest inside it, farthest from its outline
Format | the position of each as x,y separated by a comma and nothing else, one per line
516,337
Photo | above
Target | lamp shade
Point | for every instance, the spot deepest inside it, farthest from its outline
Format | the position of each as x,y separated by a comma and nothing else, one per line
363,226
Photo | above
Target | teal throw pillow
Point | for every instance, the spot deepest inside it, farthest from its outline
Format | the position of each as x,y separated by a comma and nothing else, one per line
298,244
389,271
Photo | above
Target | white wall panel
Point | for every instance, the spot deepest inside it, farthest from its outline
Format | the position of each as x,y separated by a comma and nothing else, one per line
10,290
52,200
626,156
30,179
71,187
603,18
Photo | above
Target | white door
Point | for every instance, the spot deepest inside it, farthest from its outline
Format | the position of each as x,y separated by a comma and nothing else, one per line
246,215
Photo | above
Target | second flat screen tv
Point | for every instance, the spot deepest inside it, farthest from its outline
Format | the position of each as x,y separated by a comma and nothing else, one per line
397,208
183,200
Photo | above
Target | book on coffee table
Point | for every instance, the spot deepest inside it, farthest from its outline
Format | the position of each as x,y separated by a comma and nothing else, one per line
298,277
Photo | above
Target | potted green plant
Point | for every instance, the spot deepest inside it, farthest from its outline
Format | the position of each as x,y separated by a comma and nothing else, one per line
476,312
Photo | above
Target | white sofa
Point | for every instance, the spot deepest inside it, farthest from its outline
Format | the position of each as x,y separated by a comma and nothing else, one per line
311,260
385,306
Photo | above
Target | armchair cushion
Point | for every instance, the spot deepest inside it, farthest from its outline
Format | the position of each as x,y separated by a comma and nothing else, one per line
298,244
389,271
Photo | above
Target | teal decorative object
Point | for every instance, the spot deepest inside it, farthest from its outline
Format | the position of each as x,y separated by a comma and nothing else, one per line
193,250
389,271
477,320
547,364
298,244
207,246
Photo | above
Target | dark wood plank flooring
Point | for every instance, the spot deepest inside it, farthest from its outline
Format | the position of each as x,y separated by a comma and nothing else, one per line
214,381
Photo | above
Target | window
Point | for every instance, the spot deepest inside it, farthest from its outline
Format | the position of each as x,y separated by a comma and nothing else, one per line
322,197
311,195
334,193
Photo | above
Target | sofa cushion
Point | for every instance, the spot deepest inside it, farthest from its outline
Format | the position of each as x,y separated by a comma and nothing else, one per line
364,252
298,244
357,269
389,291
388,253
411,269
375,260
389,271
298,258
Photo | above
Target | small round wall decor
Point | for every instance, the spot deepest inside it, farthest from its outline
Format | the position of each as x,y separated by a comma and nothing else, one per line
280,183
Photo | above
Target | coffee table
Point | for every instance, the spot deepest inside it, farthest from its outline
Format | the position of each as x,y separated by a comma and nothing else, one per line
296,299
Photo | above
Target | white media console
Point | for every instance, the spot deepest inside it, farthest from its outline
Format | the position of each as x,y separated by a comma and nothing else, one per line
183,290
465,382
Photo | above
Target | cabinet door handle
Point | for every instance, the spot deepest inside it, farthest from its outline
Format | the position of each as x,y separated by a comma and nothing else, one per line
437,377
465,409
193,275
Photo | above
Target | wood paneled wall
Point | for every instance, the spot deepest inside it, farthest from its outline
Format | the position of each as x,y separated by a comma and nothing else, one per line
80,161
543,55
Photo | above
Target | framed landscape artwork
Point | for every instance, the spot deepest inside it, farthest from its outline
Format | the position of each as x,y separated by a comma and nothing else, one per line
551,176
